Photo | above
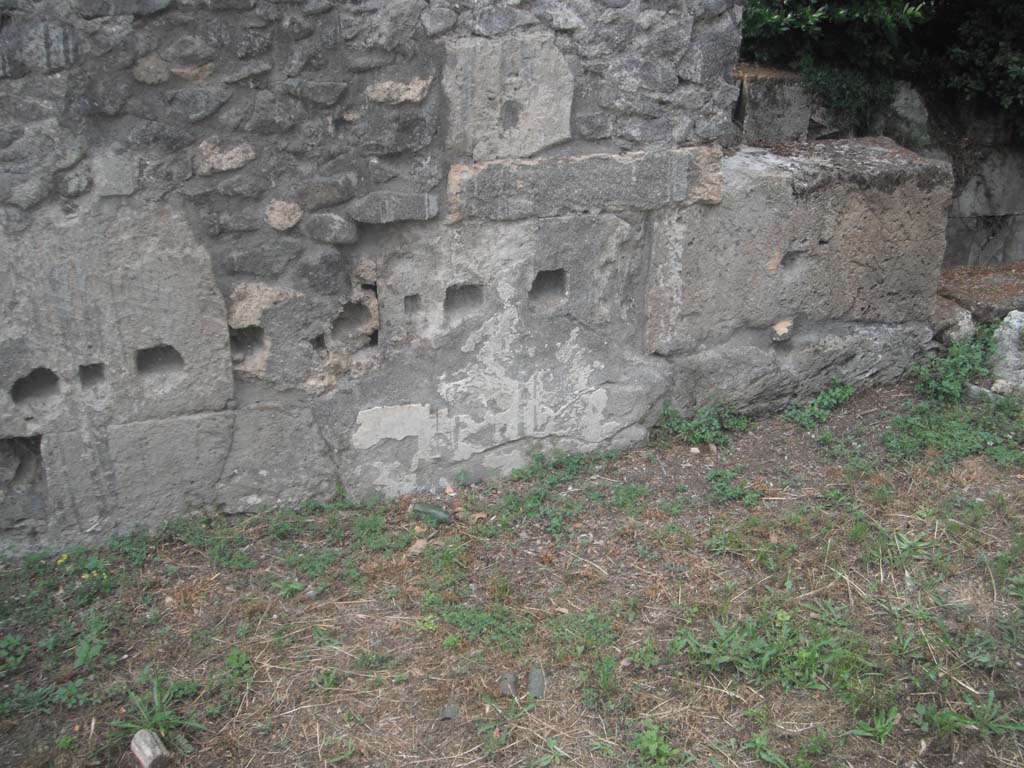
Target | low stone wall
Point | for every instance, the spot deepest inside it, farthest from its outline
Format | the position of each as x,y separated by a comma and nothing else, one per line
986,218
256,251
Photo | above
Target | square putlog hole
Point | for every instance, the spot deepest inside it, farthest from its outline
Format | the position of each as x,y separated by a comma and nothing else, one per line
92,375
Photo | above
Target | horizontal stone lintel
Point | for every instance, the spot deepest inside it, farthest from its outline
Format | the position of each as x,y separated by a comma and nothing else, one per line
506,190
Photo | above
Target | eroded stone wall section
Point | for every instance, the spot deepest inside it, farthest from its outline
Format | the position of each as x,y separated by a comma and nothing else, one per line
252,251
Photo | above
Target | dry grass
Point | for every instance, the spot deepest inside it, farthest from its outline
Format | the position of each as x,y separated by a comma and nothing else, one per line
320,637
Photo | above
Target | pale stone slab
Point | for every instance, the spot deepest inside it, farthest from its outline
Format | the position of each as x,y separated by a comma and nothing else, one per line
642,181
508,97
115,288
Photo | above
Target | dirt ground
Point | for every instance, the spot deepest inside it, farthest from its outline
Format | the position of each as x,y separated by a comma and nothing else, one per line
792,597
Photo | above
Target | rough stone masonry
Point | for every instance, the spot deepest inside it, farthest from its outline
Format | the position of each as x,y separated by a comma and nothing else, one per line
254,250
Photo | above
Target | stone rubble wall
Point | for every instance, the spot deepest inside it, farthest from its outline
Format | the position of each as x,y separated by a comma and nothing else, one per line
254,251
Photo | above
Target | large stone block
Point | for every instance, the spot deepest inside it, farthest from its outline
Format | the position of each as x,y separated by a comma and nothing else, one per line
277,457
850,231
95,482
750,373
641,181
508,97
112,316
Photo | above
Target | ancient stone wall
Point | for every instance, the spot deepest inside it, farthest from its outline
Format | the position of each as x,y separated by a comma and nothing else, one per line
253,251
986,218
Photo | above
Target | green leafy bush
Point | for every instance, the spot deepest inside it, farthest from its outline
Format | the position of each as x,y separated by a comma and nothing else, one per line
976,48
872,34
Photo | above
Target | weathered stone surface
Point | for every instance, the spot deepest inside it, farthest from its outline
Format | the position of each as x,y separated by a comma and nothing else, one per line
750,373
104,288
199,103
849,231
282,215
715,49
211,158
1008,355
643,181
319,192
130,476
385,207
278,457
988,293
91,9
152,155
951,322
331,228
398,92
437,20
507,96
775,108
907,120
262,256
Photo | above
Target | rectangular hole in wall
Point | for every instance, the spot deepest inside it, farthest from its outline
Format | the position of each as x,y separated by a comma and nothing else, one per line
549,285
161,359
92,374
462,300
245,341
411,304
21,461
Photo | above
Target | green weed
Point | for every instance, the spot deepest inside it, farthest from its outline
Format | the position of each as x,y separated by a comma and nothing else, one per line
653,751
722,488
710,425
820,408
156,713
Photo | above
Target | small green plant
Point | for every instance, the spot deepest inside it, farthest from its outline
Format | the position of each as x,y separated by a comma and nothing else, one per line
820,408
327,679
90,642
287,588
73,694
710,425
373,661
13,650
759,744
653,751
553,755
722,488
494,624
944,378
238,664
156,713
578,634
626,497
879,727
497,732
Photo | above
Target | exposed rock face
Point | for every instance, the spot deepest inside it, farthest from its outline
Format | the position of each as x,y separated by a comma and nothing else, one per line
249,253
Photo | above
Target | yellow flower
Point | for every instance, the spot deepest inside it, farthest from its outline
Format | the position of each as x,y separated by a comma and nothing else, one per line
62,559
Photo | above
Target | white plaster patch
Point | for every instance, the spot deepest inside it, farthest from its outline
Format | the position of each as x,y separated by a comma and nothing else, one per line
492,403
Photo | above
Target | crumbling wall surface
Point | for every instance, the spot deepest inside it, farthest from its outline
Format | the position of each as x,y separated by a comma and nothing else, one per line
253,251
